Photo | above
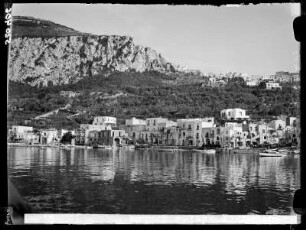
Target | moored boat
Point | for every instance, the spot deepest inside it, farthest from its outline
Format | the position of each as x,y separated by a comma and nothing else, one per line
296,151
270,153
283,151
210,151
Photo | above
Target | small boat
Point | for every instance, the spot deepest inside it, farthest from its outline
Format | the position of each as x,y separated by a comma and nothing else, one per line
210,151
131,147
283,151
142,146
108,147
296,151
270,153
89,147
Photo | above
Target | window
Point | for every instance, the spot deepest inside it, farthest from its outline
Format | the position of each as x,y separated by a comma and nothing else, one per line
148,123
263,131
189,126
119,134
198,127
197,136
183,134
154,122
183,125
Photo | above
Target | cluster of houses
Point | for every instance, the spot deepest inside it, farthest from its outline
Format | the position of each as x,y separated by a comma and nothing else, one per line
271,82
236,130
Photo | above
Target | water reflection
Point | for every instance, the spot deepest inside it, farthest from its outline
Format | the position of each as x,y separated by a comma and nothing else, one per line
124,181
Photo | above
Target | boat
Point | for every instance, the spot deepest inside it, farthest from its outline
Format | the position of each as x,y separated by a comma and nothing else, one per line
165,150
209,151
89,147
130,147
296,151
142,146
270,153
203,150
283,151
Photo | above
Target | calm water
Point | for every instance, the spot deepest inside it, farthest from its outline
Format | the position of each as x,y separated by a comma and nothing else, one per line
148,182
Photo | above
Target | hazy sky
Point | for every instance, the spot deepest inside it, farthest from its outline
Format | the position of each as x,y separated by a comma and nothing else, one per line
254,39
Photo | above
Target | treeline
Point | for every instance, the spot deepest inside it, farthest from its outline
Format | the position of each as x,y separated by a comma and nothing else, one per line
147,96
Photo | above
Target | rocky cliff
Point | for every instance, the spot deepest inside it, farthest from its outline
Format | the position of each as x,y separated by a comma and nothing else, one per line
44,60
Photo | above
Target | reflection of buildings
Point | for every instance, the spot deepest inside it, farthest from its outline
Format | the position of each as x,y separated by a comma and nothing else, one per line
233,173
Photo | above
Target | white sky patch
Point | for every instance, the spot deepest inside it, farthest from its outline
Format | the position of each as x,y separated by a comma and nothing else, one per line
295,9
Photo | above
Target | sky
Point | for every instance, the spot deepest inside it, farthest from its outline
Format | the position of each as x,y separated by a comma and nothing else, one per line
251,39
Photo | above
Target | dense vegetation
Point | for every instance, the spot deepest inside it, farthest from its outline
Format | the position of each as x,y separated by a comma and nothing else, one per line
149,95
32,27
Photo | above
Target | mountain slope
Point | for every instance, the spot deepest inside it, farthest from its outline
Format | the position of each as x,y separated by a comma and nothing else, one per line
33,27
43,53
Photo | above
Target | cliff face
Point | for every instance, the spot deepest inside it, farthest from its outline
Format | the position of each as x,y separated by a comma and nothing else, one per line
62,60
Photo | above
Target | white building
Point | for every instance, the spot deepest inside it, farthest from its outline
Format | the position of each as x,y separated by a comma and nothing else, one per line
152,123
277,124
191,130
134,121
82,134
23,134
291,121
49,136
272,85
166,124
21,129
234,114
105,120
251,83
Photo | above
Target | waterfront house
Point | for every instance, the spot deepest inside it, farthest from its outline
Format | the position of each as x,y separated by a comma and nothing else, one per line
169,135
111,137
23,134
82,134
152,123
49,136
190,133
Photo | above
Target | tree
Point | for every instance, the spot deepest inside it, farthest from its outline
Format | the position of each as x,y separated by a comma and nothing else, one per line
67,137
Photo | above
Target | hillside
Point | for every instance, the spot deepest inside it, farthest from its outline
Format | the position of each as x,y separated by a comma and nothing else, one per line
43,53
147,94
33,27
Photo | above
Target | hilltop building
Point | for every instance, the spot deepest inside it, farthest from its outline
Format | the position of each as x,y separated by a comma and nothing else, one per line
234,114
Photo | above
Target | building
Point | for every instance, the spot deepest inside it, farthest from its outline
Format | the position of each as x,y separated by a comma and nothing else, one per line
291,121
108,137
190,130
152,123
82,134
270,85
234,114
134,122
251,83
49,136
23,134
277,124
286,77
105,121
166,124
